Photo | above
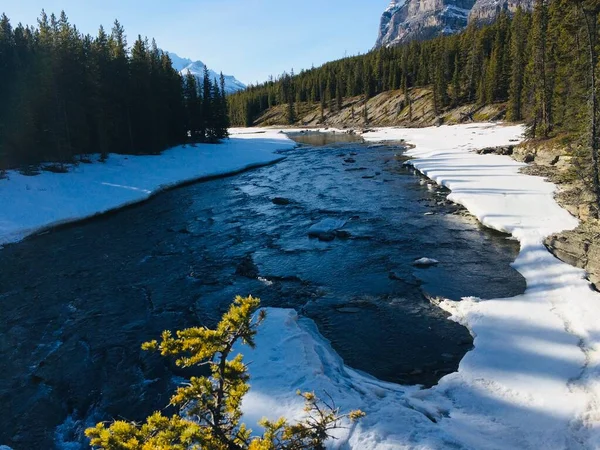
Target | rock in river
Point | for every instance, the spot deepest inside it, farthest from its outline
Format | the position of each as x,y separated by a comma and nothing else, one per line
425,262
280,201
325,230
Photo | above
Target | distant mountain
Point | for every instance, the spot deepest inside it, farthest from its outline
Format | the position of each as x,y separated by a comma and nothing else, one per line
407,20
185,65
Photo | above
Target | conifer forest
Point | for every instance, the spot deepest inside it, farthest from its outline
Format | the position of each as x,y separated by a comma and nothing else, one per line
536,61
65,95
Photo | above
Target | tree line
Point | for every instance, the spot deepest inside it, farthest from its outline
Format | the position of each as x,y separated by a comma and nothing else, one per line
542,63
536,61
65,94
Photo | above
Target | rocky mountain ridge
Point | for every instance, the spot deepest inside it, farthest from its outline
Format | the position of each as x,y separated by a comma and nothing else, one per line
406,20
488,10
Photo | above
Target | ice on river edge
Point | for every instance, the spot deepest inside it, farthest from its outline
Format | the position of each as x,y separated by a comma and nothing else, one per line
532,380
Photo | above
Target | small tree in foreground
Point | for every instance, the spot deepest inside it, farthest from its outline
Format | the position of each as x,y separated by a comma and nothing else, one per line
210,407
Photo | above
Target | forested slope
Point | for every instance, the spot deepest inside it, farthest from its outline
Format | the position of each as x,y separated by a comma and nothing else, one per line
536,63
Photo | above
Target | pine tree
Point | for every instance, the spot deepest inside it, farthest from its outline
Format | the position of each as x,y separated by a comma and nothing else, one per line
207,106
456,89
338,92
538,77
590,10
518,45
210,406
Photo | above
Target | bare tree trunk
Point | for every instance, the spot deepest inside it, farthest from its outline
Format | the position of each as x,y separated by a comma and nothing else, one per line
591,21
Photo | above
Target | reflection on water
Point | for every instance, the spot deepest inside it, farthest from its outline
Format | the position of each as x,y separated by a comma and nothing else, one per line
320,139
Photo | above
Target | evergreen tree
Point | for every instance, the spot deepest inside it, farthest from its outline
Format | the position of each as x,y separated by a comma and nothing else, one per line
590,10
518,45
210,406
540,122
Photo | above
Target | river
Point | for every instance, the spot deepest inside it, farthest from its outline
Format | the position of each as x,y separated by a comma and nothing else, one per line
77,302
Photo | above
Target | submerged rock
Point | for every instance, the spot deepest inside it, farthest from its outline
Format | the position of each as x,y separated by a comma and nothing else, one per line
247,268
280,201
343,234
348,310
326,229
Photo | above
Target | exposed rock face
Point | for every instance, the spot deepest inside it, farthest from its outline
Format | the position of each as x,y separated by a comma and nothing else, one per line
406,20
486,11
579,248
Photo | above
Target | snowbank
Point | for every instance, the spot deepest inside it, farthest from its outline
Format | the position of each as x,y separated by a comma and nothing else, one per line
533,379
33,203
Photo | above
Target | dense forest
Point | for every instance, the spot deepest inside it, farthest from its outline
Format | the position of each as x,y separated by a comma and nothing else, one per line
64,95
537,62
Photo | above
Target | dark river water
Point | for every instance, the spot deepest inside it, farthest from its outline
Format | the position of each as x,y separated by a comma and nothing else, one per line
76,303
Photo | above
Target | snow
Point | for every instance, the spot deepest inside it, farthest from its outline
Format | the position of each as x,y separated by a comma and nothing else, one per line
31,204
394,6
533,378
426,262
455,11
185,66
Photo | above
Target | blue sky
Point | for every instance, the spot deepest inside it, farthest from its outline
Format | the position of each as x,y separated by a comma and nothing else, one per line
250,39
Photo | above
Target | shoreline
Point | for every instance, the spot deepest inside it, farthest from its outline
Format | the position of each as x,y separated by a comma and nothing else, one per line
49,201
57,226
558,297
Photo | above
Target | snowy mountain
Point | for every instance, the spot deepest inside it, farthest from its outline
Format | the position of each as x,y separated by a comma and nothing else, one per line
406,20
185,65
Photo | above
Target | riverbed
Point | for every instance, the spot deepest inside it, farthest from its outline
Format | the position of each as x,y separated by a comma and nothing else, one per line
78,302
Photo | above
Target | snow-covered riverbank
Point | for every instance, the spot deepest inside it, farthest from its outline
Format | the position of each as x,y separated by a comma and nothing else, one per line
33,203
533,379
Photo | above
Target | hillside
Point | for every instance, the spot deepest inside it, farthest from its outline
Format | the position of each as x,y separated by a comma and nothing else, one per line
389,108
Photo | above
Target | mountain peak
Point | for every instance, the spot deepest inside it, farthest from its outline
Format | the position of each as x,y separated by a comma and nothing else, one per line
406,20
186,65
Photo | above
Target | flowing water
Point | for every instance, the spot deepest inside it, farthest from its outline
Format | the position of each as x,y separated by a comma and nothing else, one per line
76,303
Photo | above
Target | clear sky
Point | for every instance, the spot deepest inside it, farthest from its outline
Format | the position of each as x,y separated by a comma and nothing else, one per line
250,39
